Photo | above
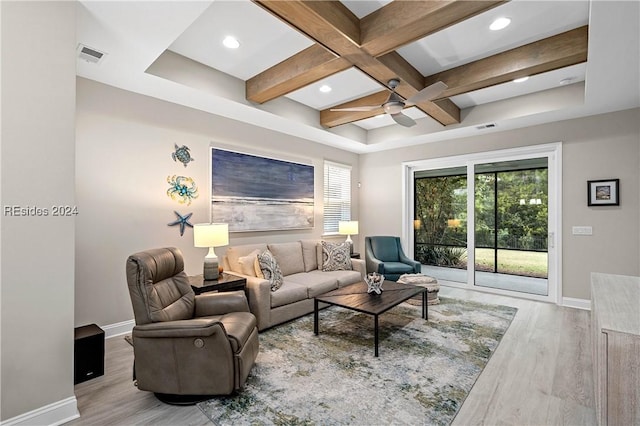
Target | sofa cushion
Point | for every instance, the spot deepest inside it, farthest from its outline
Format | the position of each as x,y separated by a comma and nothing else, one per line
289,257
247,263
235,252
342,278
270,269
310,254
316,283
290,292
397,268
336,256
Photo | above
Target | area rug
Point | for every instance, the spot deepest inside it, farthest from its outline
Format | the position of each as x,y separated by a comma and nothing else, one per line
423,374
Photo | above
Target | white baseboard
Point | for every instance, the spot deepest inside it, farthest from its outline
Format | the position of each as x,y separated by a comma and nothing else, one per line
571,302
66,410
53,414
118,329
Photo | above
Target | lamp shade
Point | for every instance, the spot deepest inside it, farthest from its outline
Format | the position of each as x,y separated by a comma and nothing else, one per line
348,227
210,234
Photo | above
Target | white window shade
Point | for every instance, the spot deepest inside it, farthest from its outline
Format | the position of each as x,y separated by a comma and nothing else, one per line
337,195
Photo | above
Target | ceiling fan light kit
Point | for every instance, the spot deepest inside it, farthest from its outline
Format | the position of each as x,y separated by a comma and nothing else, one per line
395,103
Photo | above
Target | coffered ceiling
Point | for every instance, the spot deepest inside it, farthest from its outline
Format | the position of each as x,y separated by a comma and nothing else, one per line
581,58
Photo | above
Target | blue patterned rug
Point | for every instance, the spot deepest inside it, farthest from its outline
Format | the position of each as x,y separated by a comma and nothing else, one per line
423,374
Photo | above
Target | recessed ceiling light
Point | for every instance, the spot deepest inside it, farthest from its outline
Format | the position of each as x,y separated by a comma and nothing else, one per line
499,24
521,79
325,89
567,80
231,42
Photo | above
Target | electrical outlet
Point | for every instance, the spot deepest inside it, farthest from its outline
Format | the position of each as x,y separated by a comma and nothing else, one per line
582,230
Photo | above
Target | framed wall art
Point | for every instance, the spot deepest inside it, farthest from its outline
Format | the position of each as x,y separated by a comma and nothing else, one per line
604,192
253,193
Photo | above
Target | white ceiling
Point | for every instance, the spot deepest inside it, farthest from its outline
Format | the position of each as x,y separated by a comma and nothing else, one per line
136,33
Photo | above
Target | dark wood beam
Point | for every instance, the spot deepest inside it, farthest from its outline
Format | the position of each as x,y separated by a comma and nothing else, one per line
329,23
548,54
559,51
300,70
402,22
332,25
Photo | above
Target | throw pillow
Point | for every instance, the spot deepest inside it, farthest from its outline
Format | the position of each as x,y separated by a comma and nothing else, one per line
270,269
247,263
336,256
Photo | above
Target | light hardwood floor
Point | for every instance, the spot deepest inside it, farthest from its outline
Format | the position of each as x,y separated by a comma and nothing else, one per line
540,374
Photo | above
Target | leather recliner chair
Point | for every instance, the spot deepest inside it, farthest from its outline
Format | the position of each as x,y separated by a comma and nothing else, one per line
385,256
186,347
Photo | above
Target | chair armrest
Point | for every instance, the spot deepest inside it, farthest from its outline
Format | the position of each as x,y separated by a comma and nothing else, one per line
208,304
259,295
259,291
360,266
375,265
415,264
198,327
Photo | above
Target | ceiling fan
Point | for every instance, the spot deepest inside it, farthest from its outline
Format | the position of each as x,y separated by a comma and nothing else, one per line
395,104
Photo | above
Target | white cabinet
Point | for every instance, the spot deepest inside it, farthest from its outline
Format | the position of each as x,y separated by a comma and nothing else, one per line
615,330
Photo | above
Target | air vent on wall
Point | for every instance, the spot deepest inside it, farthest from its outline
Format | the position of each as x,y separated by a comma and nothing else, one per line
90,54
486,126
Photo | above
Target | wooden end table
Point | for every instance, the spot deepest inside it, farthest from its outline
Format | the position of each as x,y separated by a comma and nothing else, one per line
226,282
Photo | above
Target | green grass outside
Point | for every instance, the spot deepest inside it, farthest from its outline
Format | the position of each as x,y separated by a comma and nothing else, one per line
528,263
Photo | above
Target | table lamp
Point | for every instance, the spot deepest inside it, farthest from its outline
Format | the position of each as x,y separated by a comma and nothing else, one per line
210,235
348,228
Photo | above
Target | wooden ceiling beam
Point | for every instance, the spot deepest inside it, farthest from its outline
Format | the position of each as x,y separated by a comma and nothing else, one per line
402,22
384,31
329,23
333,26
306,67
554,52
559,51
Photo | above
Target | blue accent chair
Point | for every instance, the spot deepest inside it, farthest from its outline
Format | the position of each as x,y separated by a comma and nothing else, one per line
384,255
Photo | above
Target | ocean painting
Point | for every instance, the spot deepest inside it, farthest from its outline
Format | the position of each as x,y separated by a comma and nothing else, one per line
253,193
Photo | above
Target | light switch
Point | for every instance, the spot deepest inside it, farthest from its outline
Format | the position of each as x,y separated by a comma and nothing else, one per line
582,230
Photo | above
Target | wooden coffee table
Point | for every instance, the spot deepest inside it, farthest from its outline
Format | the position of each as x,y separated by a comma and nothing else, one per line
355,297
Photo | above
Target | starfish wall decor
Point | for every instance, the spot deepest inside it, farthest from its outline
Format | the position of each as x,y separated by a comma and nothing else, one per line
183,221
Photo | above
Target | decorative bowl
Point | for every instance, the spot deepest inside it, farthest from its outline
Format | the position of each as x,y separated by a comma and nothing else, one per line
374,282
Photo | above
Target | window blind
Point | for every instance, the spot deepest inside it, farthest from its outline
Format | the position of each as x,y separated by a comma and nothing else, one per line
337,195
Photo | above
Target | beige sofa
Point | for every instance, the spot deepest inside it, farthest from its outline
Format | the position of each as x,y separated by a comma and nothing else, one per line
301,265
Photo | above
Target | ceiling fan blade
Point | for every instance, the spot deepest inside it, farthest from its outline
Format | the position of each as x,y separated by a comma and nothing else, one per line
427,93
403,120
362,108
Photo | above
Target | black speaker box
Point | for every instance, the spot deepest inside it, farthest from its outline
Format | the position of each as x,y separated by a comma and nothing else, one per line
88,352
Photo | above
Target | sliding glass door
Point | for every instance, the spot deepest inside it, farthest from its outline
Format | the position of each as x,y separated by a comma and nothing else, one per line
440,222
488,220
511,225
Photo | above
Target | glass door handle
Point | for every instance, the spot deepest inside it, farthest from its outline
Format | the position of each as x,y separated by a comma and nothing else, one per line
552,239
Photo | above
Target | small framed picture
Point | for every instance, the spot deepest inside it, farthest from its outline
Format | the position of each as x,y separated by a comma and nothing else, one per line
604,192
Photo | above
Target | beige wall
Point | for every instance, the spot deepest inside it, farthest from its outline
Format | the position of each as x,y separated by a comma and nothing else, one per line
38,98
598,147
122,158
124,143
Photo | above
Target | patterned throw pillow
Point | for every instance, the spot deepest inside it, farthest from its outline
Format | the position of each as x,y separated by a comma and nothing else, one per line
270,269
336,256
